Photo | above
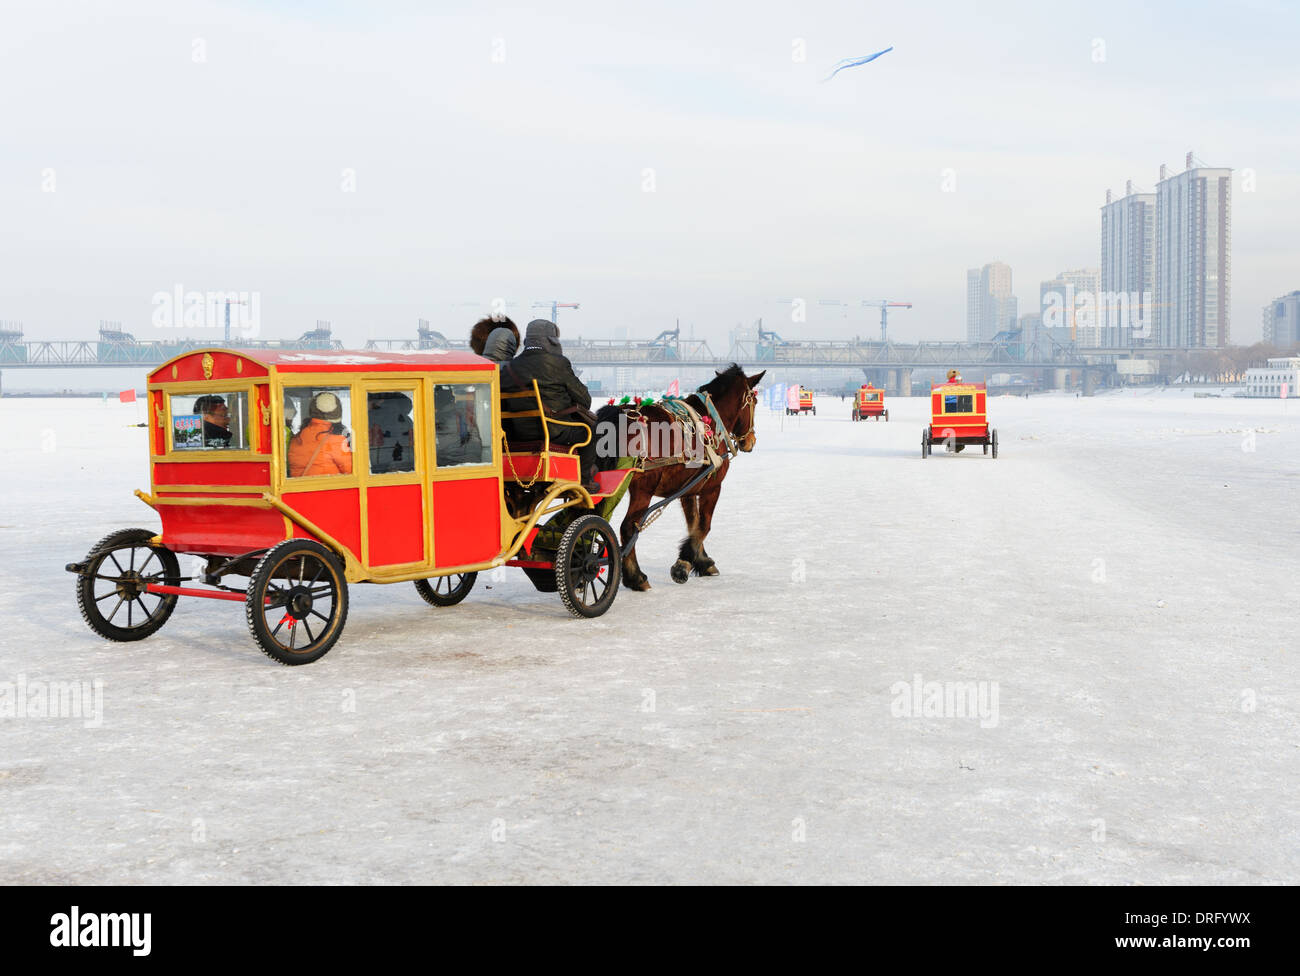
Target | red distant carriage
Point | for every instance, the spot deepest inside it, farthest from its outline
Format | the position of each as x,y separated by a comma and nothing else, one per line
800,401
958,419
869,403
307,471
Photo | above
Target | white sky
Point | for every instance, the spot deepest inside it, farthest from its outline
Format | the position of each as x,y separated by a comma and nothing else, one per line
523,178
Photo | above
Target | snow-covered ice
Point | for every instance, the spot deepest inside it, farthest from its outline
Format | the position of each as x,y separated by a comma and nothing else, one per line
1123,578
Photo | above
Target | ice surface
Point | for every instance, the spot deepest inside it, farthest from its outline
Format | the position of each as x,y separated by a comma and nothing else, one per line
1125,572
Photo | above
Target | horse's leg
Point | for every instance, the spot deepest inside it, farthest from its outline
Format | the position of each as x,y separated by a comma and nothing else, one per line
690,548
639,498
703,565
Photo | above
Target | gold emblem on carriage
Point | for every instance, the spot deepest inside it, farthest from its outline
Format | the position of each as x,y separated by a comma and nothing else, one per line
207,366
157,408
266,415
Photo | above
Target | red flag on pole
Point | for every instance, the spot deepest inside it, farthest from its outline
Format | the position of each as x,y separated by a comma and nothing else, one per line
127,396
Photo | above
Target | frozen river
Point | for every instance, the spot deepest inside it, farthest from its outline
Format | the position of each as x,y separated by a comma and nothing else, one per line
1118,590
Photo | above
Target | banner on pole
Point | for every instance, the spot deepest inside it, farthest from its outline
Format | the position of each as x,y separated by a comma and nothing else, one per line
127,396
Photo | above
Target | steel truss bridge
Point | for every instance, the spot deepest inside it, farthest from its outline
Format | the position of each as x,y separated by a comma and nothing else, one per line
890,363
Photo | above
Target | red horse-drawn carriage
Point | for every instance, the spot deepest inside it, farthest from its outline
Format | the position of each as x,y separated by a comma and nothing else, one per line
869,402
307,471
958,419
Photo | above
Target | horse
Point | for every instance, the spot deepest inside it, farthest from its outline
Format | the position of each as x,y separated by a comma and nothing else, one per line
733,396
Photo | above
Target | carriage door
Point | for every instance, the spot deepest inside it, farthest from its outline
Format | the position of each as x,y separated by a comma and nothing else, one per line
466,475
396,531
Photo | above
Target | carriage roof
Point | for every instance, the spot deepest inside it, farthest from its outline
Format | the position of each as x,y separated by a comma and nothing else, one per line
328,361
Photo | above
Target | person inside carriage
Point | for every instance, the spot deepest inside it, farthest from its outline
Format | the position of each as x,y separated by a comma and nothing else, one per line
216,420
457,433
322,447
564,396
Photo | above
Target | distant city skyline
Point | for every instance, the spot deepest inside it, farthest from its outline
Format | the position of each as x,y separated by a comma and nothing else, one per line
376,165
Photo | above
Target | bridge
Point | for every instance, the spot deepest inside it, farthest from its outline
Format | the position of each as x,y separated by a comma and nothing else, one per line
889,364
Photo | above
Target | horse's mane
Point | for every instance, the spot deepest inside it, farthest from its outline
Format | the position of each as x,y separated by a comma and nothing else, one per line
478,335
723,381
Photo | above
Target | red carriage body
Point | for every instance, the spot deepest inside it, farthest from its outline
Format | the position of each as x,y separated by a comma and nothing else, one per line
411,479
958,419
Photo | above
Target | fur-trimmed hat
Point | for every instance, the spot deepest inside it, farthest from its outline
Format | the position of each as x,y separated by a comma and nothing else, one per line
326,406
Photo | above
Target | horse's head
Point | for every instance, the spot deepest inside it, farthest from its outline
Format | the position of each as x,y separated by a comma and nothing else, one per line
733,394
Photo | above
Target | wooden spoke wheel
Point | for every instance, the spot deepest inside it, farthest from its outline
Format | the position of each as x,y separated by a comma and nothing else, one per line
297,601
588,566
446,591
111,591
925,443
993,436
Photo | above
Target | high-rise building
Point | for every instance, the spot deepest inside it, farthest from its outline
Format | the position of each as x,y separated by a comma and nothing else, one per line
1193,273
990,306
1127,268
1282,321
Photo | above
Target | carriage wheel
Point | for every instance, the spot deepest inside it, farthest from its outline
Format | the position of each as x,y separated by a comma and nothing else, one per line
297,601
886,416
925,444
111,592
588,566
995,443
446,591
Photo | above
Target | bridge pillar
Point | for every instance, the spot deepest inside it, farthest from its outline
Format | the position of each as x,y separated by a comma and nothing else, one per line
1089,382
1060,377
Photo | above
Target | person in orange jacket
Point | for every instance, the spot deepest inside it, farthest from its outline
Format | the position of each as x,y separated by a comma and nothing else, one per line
322,446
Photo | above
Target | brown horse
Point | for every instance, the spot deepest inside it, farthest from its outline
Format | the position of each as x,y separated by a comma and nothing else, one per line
732,393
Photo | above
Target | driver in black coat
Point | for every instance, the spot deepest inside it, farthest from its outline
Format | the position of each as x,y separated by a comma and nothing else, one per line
564,396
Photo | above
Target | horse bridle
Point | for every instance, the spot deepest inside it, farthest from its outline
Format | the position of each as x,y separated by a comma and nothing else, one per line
750,399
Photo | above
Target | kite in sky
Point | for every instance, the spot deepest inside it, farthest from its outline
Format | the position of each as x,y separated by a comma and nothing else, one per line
854,62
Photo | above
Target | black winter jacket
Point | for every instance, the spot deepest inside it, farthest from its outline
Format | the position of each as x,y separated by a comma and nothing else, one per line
558,384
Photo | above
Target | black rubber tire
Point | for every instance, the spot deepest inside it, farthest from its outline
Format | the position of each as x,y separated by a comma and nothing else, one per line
127,583
886,416
457,588
925,444
577,567
320,562
994,436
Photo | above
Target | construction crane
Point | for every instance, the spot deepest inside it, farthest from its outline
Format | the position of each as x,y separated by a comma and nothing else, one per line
555,308
884,307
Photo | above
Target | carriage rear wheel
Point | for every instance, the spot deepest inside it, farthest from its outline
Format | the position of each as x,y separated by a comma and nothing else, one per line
111,591
446,591
588,566
994,435
925,443
297,601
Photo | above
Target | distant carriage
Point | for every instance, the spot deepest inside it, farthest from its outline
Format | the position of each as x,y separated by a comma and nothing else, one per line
801,401
324,469
869,404
958,419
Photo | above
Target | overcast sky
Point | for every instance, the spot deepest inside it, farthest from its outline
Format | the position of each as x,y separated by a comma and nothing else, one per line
215,146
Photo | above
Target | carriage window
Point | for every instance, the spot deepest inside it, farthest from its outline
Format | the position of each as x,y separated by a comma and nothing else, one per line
958,403
319,440
392,431
209,422
462,416
871,397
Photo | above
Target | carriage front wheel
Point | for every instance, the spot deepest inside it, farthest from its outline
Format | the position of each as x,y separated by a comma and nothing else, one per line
111,586
925,443
446,591
588,566
297,601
